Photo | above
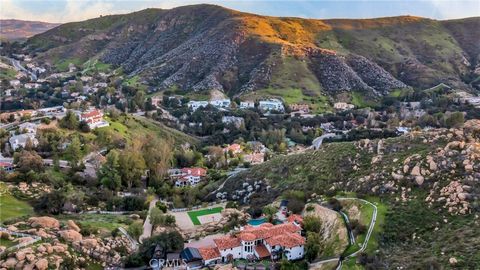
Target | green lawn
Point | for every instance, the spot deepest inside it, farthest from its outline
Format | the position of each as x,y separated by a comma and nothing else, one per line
195,214
10,207
6,243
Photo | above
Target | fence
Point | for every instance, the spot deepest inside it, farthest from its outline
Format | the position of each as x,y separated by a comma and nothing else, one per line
21,245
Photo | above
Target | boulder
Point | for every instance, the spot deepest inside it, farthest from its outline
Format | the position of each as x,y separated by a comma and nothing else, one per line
41,264
20,255
70,235
419,180
10,263
452,260
44,222
89,243
415,171
71,225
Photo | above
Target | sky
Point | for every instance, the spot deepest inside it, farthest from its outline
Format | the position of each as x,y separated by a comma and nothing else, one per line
61,11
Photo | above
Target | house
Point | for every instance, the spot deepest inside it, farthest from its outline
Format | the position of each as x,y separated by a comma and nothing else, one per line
221,103
247,105
187,176
299,108
236,121
156,101
263,242
21,140
342,106
271,105
94,119
254,158
194,105
28,128
234,148
6,167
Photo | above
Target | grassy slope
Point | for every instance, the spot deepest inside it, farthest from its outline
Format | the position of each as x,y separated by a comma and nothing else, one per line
10,207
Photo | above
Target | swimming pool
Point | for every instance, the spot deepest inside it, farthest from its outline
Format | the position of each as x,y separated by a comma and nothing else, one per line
256,222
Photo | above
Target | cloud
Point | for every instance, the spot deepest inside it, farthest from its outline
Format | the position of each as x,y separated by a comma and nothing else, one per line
455,9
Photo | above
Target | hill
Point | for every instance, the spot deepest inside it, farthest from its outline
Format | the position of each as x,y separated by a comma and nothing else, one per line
427,180
20,30
205,47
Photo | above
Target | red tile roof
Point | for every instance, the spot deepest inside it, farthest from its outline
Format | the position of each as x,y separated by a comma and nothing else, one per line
194,171
6,164
296,218
262,251
264,232
209,253
287,240
227,242
94,113
246,236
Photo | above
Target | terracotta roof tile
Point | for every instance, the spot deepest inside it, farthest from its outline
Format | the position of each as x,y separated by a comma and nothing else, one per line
227,242
209,253
287,240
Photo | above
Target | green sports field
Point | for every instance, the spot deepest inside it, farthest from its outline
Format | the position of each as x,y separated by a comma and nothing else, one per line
195,214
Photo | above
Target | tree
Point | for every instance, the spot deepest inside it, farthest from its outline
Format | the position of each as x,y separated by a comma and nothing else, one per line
455,120
312,247
74,152
135,229
158,156
312,224
269,211
109,173
28,161
168,242
70,121
132,166
157,217
84,127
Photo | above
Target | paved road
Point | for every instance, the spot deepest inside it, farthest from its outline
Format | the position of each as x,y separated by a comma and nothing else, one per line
364,244
147,225
350,233
317,142
89,168
230,174
16,64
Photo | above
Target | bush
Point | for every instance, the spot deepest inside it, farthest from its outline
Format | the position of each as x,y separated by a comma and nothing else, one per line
87,229
161,206
231,204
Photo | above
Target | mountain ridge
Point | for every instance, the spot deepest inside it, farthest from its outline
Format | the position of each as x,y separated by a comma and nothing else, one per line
208,47
13,29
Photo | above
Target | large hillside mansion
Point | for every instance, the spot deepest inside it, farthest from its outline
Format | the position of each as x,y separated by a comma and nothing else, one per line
266,241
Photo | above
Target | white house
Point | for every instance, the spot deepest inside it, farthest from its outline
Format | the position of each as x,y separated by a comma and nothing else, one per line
221,103
271,105
343,106
194,105
187,176
94,119
247,104
260,242
18,141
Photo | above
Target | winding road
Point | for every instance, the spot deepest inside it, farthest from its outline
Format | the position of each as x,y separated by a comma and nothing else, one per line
364,244
317,142
16,64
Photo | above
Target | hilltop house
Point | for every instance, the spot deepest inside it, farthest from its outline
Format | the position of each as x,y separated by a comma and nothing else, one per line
221,103
342,106
247,104
187,176
234,148
194,105
254,158
94,119
266,241
271,105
